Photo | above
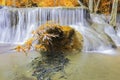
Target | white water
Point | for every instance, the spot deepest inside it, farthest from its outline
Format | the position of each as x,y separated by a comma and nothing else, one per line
102,22
16,25
99,35
93,40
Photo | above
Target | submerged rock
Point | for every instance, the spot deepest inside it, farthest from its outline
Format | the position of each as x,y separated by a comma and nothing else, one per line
45,68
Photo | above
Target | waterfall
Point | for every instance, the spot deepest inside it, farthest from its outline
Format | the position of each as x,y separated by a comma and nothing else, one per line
101,22
16,25
98,35
94,40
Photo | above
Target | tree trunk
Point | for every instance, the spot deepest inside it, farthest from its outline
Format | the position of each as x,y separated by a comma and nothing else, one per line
97,5
114,13
81,4
91,5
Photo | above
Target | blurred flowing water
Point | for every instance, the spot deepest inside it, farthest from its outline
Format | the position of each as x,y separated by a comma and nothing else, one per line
103,63
98,35
16,25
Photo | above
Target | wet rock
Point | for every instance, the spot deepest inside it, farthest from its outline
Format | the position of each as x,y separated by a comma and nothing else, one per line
49,66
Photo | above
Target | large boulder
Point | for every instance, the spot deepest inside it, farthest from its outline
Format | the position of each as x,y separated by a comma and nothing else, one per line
59,38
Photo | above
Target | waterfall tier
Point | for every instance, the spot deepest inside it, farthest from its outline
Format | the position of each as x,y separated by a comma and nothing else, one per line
16,24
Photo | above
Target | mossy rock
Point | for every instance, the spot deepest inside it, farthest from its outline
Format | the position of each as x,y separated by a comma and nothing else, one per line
61,38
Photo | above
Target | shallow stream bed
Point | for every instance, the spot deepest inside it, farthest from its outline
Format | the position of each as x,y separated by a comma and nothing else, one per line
82,66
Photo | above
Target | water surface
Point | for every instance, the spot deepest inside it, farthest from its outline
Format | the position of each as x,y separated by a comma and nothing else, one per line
82,66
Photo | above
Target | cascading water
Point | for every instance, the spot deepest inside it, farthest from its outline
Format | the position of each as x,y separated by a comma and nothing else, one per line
100,23
93,40
98,35
16,25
